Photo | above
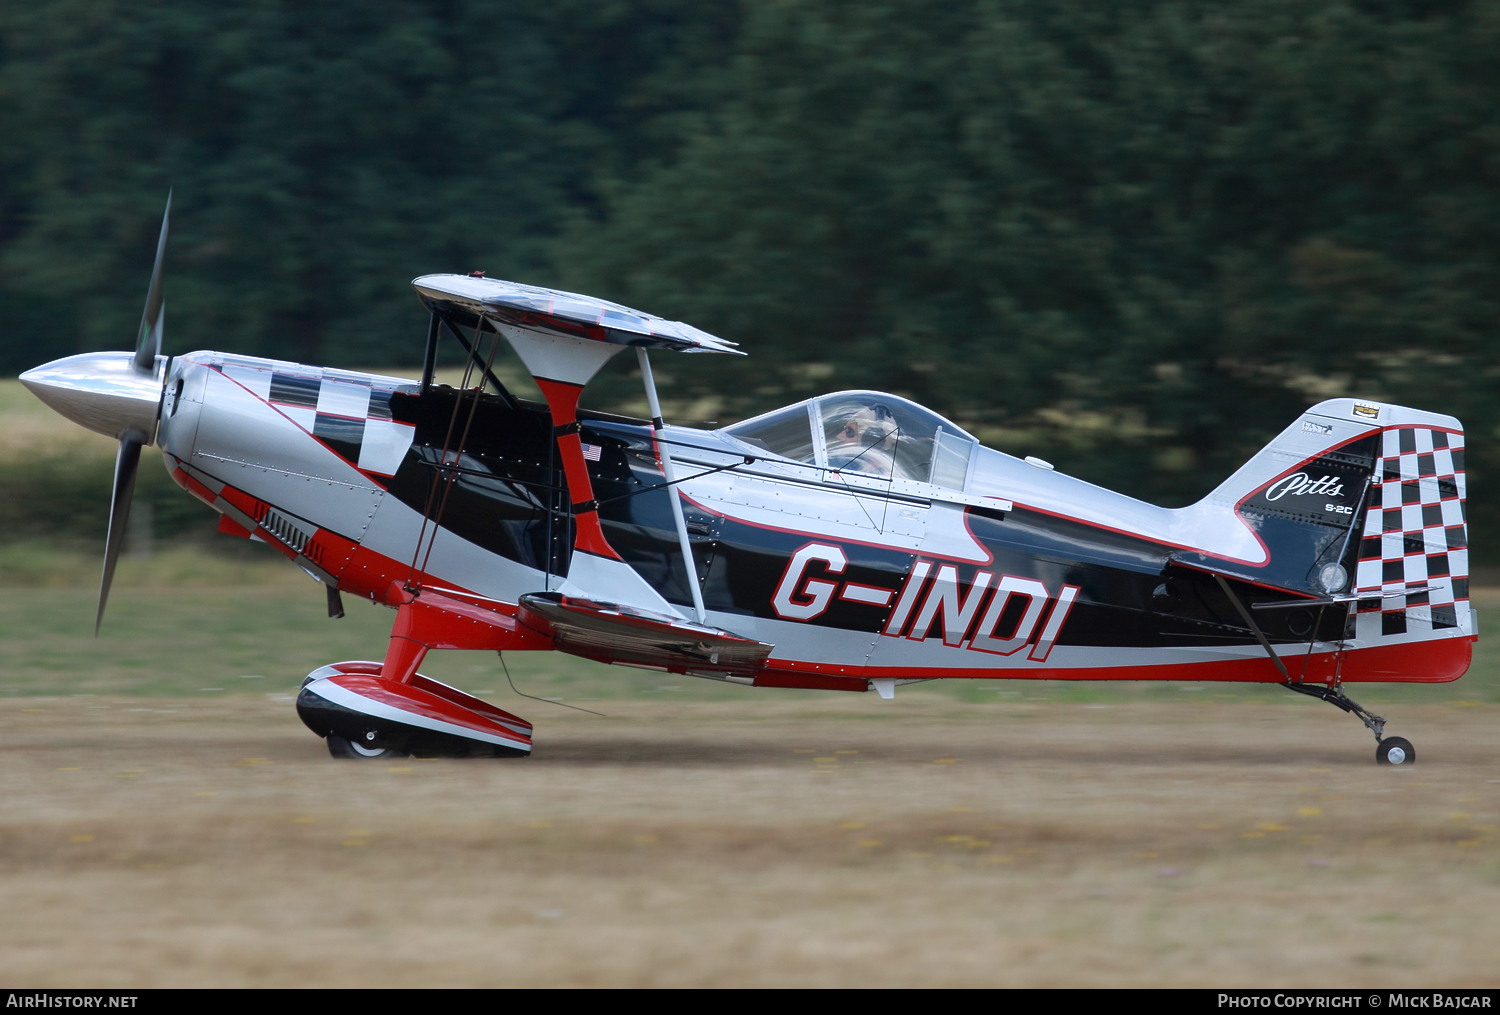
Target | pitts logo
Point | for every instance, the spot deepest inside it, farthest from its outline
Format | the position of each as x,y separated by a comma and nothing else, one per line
1299,484
800,597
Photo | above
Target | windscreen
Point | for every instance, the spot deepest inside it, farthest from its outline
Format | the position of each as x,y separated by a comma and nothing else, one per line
785,432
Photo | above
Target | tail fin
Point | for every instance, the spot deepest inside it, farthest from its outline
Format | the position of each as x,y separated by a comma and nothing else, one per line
1357,497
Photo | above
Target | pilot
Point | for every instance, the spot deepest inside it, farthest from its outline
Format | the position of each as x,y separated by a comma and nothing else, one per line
866,443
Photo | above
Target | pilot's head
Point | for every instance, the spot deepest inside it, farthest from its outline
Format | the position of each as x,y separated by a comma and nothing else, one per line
870,427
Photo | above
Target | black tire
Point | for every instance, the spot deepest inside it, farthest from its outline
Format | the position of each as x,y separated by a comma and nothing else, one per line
1395,751
342,748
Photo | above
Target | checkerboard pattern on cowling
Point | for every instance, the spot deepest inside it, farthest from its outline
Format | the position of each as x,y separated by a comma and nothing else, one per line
1416,536
352,417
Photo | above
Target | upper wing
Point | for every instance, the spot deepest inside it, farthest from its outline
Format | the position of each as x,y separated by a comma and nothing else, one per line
551,310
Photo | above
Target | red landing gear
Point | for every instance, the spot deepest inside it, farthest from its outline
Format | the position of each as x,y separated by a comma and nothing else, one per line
365,716
370,710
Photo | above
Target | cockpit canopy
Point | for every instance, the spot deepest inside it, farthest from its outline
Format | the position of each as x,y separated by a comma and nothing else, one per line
866,432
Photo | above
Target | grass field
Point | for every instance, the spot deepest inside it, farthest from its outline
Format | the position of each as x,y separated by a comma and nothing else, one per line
174,841
169,821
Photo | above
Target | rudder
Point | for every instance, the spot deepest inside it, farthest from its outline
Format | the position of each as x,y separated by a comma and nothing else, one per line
1416,534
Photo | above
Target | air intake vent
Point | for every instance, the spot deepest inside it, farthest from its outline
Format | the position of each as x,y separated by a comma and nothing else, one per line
284,529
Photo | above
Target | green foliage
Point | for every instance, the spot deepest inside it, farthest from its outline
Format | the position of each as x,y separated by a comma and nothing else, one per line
1138,238
322,155
1134,237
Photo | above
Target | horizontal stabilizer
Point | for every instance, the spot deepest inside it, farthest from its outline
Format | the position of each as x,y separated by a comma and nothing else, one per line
612,633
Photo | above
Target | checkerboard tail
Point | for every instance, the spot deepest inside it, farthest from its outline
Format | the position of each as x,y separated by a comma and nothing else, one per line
1413,568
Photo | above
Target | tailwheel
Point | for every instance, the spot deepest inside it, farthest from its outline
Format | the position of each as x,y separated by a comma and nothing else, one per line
341,747
1395,751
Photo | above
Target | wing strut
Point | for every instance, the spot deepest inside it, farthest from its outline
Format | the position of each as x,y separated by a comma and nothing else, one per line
429,355
666,467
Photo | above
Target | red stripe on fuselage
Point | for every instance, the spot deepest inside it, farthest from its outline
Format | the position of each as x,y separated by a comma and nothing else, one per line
1421,662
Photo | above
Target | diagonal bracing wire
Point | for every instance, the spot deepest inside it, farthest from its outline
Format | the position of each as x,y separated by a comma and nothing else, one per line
438,474
452,477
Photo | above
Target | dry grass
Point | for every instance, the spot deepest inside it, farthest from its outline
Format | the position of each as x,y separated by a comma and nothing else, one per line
761,842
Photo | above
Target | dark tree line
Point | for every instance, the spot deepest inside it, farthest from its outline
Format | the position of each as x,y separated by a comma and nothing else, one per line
1134,237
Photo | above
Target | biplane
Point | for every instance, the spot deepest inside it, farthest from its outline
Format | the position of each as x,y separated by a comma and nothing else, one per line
855,541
